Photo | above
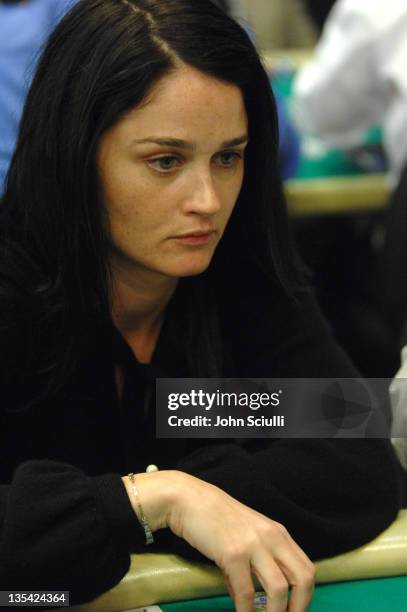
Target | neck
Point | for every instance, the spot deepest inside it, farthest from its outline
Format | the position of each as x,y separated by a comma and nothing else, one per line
138,305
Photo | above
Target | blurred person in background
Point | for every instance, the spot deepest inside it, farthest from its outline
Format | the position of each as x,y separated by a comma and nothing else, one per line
289,140
358,78
24,27
319,10
393,272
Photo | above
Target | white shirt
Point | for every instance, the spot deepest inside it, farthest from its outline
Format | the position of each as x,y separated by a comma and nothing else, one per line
398,395
358,77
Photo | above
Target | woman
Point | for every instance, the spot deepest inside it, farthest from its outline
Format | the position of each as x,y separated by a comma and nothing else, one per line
144,234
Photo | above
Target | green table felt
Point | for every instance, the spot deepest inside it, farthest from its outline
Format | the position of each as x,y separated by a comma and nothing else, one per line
378,595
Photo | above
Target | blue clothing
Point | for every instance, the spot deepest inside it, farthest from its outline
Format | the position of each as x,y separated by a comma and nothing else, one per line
24,28
289,143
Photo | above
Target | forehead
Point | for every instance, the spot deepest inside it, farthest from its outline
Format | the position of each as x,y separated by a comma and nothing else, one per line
189,105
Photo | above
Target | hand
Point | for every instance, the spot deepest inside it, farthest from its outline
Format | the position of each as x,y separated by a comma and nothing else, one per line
238,539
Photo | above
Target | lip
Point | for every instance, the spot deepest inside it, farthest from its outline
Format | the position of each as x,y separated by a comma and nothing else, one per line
196,238
204,232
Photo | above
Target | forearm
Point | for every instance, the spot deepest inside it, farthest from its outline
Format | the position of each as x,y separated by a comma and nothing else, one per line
60,528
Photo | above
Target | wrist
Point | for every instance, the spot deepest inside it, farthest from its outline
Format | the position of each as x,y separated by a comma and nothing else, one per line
157,492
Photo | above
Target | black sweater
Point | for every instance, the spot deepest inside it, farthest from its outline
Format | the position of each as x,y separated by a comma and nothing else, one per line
65,518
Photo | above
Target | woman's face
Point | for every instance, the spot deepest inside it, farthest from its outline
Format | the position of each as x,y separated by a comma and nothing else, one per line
171,171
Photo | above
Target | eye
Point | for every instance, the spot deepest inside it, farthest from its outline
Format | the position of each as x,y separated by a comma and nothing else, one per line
229,159
165,164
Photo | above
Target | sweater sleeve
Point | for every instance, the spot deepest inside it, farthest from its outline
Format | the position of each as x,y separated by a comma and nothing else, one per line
332,495
63,530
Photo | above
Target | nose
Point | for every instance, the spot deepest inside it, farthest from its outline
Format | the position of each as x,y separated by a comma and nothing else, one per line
203,197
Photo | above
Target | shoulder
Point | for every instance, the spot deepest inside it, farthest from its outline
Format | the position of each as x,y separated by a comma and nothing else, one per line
269,310
274,334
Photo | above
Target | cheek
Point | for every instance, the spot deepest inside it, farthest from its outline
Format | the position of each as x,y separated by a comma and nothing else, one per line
127,201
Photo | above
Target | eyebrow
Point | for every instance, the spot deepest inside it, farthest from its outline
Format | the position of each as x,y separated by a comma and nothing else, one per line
183,144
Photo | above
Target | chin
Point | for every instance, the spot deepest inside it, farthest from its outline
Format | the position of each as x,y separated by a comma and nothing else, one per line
195,272
190,268
192,271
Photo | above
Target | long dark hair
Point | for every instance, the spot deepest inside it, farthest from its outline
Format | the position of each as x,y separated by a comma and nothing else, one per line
102,60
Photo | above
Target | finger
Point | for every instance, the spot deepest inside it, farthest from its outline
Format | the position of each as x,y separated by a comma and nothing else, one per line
241,586
282,531
273,582
302,590
229,588
299,574
297,568
305,559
